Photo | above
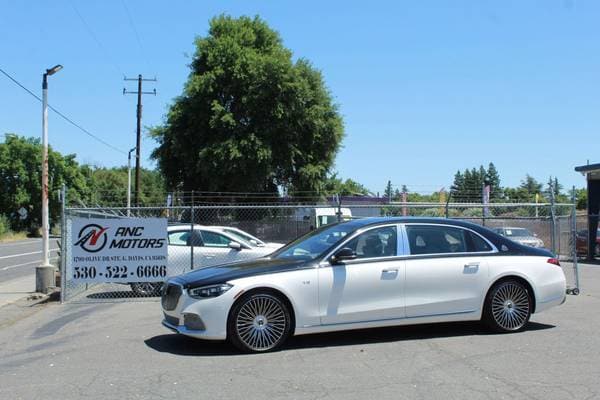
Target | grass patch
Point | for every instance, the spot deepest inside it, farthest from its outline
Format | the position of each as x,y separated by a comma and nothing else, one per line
12,236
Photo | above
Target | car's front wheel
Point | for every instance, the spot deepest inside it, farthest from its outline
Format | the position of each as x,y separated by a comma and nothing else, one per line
507,306
259,322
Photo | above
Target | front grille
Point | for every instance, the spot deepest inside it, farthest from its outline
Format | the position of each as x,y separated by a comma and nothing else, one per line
172,320
170,297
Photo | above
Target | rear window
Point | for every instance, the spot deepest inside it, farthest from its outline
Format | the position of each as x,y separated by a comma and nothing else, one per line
430,239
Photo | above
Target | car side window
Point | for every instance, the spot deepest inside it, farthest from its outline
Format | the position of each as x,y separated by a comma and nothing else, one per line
379,242
478,244
179,238
213,239
432,239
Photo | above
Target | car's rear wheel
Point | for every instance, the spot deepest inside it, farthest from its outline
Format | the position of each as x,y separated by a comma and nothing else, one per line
146,289
507,306
259,322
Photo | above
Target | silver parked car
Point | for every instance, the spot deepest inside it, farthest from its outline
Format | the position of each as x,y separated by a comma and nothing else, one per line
212,245
520,235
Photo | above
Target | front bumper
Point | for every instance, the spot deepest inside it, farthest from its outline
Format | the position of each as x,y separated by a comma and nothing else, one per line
181,329
202,319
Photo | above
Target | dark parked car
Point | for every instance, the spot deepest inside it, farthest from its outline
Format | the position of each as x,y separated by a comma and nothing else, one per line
582,242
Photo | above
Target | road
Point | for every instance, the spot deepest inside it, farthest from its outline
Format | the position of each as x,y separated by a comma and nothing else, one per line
17,267
120,350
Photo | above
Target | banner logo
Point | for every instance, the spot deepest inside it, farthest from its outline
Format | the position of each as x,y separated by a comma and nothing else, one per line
92,238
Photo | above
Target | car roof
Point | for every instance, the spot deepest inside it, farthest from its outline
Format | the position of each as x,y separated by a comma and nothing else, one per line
359,223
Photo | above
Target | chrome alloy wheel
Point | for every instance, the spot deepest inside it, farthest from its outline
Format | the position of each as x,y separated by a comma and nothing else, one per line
510,306
261,323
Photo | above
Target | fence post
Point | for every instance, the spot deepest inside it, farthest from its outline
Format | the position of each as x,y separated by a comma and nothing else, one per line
553,216
63,245
574,237
339,207
192,236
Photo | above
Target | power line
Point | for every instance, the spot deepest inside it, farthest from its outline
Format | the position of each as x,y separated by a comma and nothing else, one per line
69,120
93,35
137,35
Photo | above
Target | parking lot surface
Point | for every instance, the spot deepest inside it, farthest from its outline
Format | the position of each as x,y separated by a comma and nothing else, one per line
120,350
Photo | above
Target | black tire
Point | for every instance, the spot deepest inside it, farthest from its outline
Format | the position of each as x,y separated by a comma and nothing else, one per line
146,289
507,307
259,322
597,250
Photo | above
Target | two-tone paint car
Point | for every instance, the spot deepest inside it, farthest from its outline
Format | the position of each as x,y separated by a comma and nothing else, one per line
366,273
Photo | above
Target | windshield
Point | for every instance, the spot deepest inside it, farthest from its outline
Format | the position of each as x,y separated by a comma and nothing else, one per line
248,238
315,243
518,232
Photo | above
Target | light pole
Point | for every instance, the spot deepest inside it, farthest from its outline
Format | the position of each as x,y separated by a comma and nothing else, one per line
129,180
44,274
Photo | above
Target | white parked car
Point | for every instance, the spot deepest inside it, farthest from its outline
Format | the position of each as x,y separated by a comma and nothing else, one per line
212,245
367,273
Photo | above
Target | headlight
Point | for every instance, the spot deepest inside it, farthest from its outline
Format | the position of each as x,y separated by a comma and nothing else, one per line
209,291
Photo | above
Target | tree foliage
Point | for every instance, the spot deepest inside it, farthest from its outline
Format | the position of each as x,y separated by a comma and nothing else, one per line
349,187
21,177
468,185
250,118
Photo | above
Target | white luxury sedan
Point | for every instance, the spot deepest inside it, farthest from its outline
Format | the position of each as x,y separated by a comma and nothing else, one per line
367,273
212,245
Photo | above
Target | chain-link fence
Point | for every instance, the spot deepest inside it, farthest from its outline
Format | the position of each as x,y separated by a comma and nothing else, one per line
225,233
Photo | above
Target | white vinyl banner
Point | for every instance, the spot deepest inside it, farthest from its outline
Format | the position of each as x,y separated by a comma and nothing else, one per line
118,250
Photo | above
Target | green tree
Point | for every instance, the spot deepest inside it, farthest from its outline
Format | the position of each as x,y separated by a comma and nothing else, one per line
493,178
21,177
109,187
349,187
250,118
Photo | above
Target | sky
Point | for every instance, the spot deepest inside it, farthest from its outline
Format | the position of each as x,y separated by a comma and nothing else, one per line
425,88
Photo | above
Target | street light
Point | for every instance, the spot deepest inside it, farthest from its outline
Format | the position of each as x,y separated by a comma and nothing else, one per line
44,274
129,180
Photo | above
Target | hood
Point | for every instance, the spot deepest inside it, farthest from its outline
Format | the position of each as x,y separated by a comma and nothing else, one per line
273,245
227,272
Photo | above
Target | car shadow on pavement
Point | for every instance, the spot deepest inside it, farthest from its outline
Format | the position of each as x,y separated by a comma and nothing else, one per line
186,346
119,294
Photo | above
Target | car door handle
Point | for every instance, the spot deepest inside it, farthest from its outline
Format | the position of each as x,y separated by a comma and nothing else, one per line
390,270
472,266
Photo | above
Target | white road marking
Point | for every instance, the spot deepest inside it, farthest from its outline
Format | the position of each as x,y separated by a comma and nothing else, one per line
24,264
20,243
26,254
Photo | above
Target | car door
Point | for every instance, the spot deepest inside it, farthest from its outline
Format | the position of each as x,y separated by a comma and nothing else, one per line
446,271
179,251
368,288
214,249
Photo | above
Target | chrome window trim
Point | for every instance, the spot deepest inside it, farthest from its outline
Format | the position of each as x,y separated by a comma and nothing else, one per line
403,249
466,253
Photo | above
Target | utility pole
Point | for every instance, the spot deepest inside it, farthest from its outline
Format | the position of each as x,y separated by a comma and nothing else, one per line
138,139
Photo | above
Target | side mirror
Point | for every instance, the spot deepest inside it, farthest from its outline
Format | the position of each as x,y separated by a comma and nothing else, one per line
235,246
535,234
343,254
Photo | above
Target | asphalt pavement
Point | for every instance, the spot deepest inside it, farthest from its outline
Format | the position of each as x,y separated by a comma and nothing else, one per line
120,350
18,260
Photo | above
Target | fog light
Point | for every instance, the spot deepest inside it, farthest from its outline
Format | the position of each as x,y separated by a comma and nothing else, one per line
193,322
